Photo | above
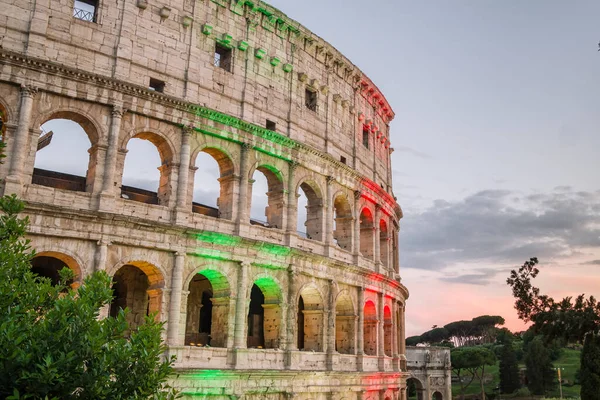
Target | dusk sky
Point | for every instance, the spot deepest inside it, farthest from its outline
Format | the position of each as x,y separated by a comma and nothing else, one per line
496,137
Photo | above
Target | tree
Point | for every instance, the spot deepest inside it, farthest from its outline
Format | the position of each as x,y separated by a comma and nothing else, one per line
470,363
413,340
540,374
570,319
52,343
509,368
589,374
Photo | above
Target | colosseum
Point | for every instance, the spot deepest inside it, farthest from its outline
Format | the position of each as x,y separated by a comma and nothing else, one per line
303,303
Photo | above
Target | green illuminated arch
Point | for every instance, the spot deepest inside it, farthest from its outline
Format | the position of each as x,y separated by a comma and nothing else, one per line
269,287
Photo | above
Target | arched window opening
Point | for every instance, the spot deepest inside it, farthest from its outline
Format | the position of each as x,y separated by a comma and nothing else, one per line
48,267
366,233
207,310
310,326
311,226
342,219
345,325
266,198
145,179
264,315
370,329
214,182
384,243
256,317
414,389
3,121
64,158
437,396
387,331
134,289
300,323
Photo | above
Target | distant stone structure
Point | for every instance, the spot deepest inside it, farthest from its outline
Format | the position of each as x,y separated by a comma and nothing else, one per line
431,370
252,309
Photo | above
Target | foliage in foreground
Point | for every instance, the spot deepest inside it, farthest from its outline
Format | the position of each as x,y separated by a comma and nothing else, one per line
52,344
568,319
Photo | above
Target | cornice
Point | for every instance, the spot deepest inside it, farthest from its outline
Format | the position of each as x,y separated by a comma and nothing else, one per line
39,65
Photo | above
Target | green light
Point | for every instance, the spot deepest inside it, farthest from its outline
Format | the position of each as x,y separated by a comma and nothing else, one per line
217,238
274,249
270,266
234,122
213,254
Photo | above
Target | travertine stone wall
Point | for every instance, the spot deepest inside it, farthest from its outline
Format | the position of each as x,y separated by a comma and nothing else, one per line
97,73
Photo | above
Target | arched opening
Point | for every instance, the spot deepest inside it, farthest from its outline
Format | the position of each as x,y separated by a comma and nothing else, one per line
310,326
147,170
342,218
137,287
370,329
310,224
384,241
387,331
207,310
300,323
3,122
49,264
395,253
65,157
414,389
214,182
345,324
437,396
264,315
366,233
267,211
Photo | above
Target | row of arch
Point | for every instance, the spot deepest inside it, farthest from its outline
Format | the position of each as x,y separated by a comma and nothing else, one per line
209,307
320,214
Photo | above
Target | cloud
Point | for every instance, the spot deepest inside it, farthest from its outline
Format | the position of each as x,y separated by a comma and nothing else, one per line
411,151
593,262
477,277
499,227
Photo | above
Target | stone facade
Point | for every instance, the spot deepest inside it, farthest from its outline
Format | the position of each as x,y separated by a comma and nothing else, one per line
251,309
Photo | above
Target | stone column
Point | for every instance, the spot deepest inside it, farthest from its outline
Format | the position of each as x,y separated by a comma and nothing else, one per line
292,310
239,340
380,330
175,302
377,239
18,150
356,241
101,255
402,344
292,203
328,237
395,335
110,164
184,170
331,325
242,203
403,394
360,332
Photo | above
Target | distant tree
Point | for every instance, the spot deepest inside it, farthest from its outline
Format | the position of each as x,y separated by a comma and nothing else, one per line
589,374
435,335
52,343
470,363
509,368
413,340
485,327
540,373
570,319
